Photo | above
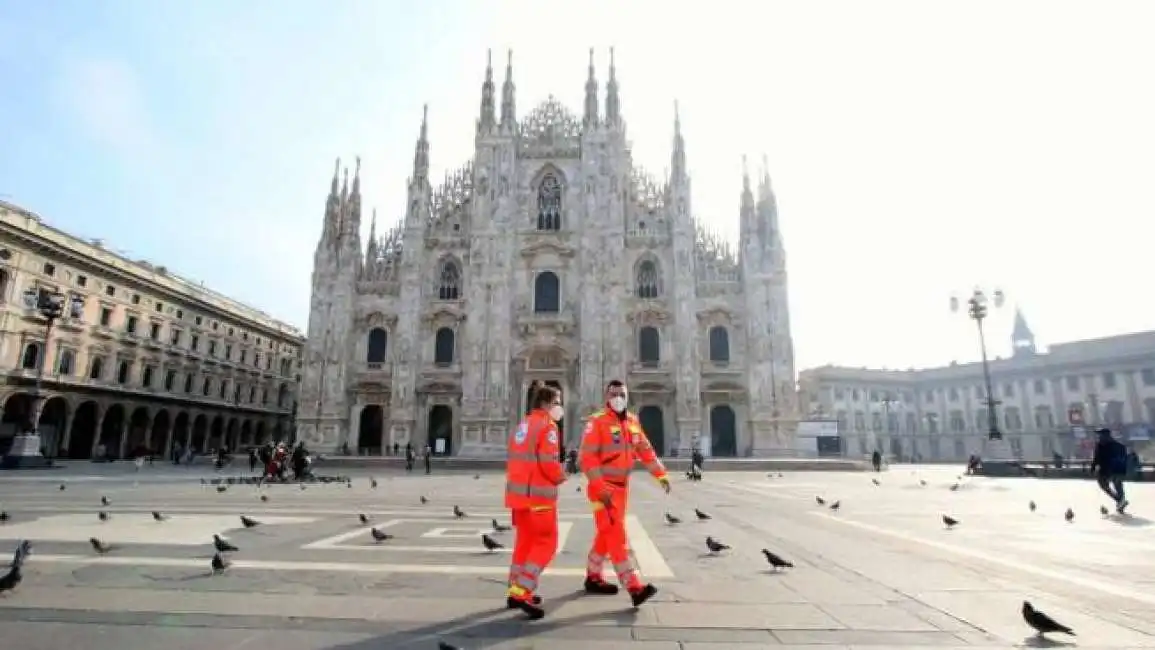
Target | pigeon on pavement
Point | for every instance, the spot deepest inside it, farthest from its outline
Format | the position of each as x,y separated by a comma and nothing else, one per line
777,561
490,543
715,546
701,515
222,545
1041,623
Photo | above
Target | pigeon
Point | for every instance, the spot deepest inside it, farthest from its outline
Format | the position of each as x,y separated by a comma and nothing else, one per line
222,487
424,500
579,489
1104,511
820,501
954,488
302,487
249,523
715,546
1041,623
349,484
156,516
876,481
498,528
10,580
672,520
776,561
223,546
1032,505
458,512
4,516
99,546
476,476
373,483
441,645
701,515
364,518
264,497
835,506
103,516
379,536
949,521
489,543
780,475
104,501
62,488
922,482
219,564
1069,515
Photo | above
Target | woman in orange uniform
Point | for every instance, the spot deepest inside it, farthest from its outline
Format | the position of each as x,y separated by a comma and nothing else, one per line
532,476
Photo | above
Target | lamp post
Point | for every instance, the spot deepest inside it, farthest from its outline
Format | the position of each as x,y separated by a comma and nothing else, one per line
25,450
977,309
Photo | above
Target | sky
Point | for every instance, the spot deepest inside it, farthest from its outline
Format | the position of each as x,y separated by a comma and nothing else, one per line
917,149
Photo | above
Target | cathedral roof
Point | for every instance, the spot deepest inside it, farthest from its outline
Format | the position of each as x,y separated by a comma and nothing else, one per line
550,121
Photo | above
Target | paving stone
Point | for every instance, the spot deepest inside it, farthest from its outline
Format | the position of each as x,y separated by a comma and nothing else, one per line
876,618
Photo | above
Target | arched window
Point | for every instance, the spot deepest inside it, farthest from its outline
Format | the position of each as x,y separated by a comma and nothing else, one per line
549,203
443,344
169,379
122,373
66,362
283,396
719,344
188,383
4,285
377,346
546,293
31,357
647,280
449,283
96,370
207,386
649,346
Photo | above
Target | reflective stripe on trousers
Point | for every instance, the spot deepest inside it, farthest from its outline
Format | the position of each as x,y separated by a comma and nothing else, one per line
595,562
528,577
526,490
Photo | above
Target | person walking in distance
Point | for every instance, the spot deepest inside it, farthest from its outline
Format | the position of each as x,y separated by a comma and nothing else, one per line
532,476
612,442
1110,466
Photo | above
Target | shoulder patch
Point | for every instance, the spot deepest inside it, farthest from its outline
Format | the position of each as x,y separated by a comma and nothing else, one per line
521,434
553,436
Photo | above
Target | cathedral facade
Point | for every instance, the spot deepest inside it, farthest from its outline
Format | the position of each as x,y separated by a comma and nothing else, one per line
550,255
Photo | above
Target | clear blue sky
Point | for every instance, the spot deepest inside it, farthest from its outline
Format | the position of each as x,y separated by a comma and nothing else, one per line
917,148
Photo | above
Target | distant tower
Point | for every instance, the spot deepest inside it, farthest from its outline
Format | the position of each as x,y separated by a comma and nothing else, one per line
1022,338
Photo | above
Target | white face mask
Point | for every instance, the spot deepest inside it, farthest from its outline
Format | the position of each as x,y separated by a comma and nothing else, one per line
618,404
556,412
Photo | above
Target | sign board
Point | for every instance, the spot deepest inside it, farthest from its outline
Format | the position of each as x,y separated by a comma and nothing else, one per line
439,446
817,428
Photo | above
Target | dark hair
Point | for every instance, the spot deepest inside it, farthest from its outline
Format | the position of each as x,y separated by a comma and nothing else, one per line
543,397
615,383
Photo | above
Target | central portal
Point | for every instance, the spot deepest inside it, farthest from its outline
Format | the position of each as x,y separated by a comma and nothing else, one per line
529,402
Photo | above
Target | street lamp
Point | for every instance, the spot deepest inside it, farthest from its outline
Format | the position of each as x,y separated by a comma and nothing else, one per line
51,305
977,309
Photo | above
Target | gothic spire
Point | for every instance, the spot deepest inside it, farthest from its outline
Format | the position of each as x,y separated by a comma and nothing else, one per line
613,102
678,156
421,153
591,113
371,247
508,103
768,208
748,227
333,205
1022,338
351,225
487,121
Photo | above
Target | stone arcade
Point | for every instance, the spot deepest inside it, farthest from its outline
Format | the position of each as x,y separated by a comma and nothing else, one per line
549,256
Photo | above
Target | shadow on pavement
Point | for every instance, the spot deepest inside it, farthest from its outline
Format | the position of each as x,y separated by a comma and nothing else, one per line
1128,520
483,629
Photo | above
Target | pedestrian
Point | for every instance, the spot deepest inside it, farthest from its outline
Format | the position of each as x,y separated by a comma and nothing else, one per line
876,460
410,457
532,476
612,442
1110,466
254,459
427,456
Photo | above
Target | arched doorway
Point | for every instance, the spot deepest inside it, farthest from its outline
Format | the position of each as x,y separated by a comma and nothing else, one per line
53,418
158,438
232,433
83,436
370,430
262,434
217,432
138,430
16,420
200,432
180,433
723,432
246,433
110,431
653,423
441,428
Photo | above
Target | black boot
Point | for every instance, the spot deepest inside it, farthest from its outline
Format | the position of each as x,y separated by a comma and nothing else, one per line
532,610
600,587
642,595
511,602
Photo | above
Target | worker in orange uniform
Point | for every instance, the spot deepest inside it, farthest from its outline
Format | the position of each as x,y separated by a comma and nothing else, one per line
613,441
532,476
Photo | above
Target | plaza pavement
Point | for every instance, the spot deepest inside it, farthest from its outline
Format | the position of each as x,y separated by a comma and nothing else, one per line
880,572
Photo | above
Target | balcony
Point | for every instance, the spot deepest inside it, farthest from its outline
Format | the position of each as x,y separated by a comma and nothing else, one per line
74,325
153,344
173,349
129,338
722,369
561,322
649,369
374,374
103,332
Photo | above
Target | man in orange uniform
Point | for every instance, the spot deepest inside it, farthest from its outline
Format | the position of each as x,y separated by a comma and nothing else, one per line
613,441
532,476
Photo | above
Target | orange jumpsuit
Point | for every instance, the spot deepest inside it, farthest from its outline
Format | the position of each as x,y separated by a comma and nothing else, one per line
532,477
611,445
